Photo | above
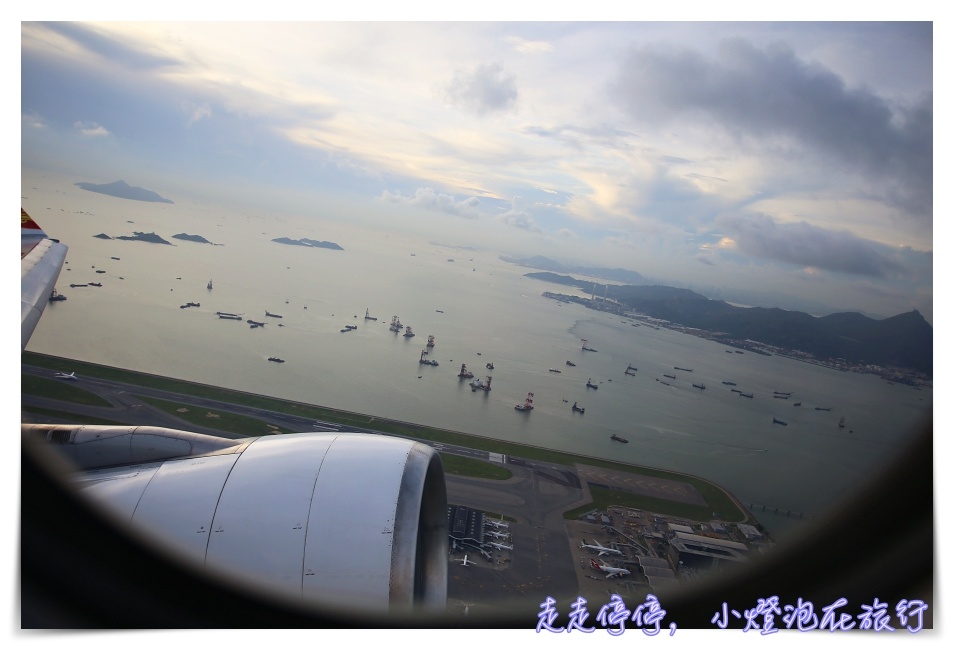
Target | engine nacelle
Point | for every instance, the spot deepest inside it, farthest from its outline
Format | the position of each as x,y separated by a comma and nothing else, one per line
350,522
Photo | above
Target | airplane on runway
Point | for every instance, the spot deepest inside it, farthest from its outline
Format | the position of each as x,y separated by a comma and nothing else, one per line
611,571
466,562
70,377
502,547
603,550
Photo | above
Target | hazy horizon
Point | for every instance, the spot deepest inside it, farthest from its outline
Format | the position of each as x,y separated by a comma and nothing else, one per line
758,160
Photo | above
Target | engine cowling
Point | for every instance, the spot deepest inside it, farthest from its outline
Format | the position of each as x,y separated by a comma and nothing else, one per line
345,521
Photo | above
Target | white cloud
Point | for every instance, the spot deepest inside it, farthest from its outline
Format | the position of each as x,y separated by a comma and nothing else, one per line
91,129
426,197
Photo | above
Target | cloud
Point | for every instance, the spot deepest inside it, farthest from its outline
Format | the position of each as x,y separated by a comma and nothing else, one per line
524,46
487,89
518,216
425,197
91,129
806,245
771,99
33,120
195,112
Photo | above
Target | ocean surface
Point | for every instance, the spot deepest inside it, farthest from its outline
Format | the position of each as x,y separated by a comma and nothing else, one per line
480,310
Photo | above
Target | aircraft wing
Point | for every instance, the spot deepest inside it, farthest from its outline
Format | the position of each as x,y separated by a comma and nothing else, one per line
41,259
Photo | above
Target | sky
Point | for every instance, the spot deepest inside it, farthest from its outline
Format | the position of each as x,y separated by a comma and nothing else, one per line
780,164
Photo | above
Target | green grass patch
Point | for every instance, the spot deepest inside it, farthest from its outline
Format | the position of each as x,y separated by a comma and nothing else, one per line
604,498
462,466
59,389
222,420
69,418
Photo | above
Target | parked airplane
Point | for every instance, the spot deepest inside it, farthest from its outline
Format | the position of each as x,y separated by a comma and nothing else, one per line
502,547
465,561
62,375
603,550
611,571
265,515
496,535
497,524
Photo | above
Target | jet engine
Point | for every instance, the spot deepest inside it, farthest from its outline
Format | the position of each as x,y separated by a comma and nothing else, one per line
347,522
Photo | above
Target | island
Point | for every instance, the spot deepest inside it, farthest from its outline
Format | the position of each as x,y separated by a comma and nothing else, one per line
121,190
199,239
149,237
311,243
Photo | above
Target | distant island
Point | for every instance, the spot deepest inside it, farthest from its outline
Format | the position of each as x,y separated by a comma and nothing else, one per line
149,237
199,239
902,341
546,264
121,190
310,243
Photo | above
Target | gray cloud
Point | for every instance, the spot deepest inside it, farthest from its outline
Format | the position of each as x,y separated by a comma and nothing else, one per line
425,197
806,245
486,89
769,93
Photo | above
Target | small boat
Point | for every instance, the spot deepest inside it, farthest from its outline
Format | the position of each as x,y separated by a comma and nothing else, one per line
407,332
590,384
427,362
749,395
229,316
729,383
430,340
822,408
701,386
209,285
114,258
255,323
685,369
73,286
586,347
556,371
841,422
439,311
276,359
618,438
631,370
490,366
780,396
527,404
797,404
271,315
578,409
56,297
778,392
670,376
777,421
570,363
464,372
368,316
189,304
95,284
396,324
100,271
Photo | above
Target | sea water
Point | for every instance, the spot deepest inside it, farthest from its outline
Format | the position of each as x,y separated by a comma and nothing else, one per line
481,311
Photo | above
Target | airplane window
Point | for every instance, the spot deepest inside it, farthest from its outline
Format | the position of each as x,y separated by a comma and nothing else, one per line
496,324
